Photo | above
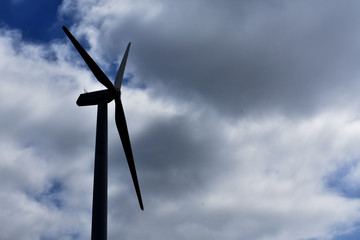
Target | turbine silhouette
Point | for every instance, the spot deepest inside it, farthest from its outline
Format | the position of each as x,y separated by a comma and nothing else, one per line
101,99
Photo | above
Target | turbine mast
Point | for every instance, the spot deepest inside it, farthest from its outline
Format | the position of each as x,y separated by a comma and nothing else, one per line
99,210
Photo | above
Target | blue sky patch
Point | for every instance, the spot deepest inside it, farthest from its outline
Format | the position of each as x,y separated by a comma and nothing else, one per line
37,20
72,236
354,235
51,196
338,180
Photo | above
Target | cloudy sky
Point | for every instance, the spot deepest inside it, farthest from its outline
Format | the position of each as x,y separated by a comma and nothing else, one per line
244,118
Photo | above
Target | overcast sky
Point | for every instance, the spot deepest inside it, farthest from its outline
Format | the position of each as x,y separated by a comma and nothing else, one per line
244,118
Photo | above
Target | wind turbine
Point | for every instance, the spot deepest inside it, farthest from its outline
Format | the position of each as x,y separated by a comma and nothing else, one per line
101,99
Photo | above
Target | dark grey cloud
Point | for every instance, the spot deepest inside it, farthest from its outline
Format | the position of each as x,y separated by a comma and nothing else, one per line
205,174
243,56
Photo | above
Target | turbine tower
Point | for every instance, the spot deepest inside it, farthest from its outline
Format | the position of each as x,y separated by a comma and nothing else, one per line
101,99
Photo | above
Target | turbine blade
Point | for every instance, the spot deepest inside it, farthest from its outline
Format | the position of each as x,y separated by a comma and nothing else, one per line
124,135
98,73
120,73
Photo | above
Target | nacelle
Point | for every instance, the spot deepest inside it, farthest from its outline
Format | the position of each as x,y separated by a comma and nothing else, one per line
93,98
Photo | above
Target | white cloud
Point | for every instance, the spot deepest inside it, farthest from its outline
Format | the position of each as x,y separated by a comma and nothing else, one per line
37,141
252,178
